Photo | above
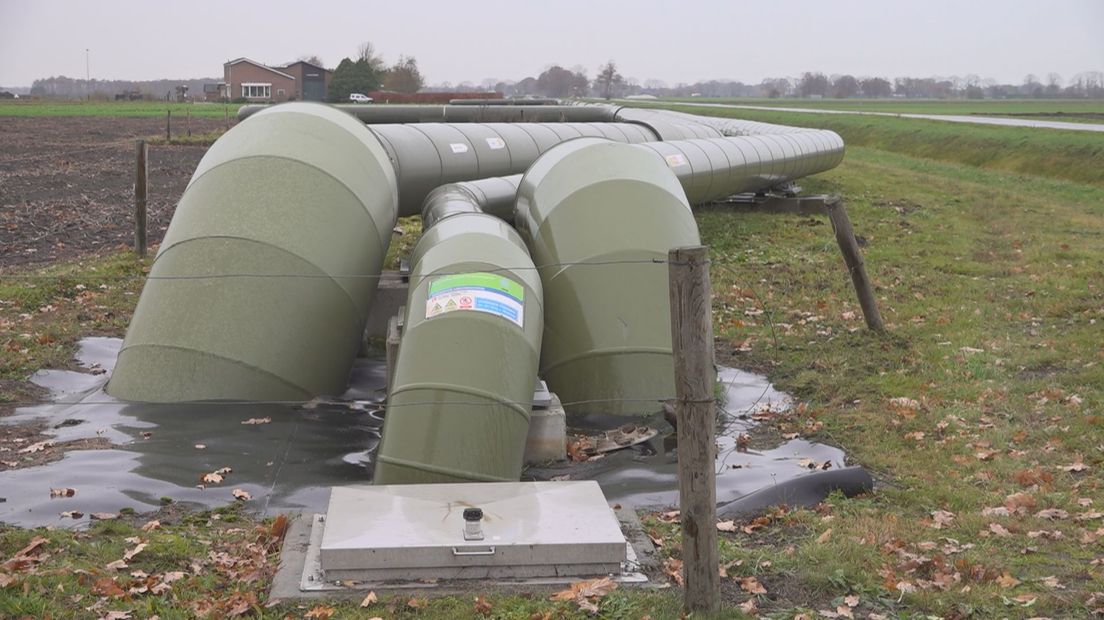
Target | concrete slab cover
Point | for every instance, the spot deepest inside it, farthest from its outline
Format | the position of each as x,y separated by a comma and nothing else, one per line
530,529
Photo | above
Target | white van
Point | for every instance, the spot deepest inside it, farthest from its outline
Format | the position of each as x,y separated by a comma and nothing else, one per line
359,98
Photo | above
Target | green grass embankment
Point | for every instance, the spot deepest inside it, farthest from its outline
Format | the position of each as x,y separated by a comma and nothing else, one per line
1068,155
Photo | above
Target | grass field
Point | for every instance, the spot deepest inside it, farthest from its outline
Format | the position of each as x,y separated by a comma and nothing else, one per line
116,108
1071,155
992,107
980,411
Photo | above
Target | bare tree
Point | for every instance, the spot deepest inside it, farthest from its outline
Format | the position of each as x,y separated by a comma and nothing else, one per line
813,84
608,81
367,52
313,59
845,87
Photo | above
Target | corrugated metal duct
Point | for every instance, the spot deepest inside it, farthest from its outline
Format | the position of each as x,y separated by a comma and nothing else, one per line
265,276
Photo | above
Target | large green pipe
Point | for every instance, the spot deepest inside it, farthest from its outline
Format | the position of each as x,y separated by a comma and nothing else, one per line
429,155
461,113
262,284
463,384
599,218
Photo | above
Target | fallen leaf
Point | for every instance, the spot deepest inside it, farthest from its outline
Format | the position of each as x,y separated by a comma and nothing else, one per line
671,516
1052,513
750,607
852,600
129,555
1076,466
320,612
1007,581
414,603
727,526
1019,502
103,516
756,523
482,607
999,530
200,446
116,615
6,580
672,567
369,599
71,514
1052,582
63,492
751,585
257,421
212,478
151,525
941,518
36,447
823,538
172,576
116,565
106,586
242,495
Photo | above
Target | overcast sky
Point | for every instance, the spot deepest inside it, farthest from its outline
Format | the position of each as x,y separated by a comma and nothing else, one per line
475,39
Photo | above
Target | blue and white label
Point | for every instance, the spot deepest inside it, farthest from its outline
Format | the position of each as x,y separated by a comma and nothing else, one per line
477,292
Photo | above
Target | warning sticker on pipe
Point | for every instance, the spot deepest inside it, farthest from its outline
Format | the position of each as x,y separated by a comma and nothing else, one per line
478,292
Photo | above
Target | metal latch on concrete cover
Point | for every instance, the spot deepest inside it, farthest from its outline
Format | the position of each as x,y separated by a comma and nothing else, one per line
486,551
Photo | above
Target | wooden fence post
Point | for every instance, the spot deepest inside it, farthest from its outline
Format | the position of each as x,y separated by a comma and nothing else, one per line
140,188
692,341
188,120
852,257
168,126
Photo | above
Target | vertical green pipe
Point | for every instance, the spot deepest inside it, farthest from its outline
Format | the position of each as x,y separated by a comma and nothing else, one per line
462,391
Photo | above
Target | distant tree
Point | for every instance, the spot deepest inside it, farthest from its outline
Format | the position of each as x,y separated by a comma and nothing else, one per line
609,81
813,84
404,76
527,86
845,87
313,59
1054,85
559,82
367,52
877,88
775,87
353,77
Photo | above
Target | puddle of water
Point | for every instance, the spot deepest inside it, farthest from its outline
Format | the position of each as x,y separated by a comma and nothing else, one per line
291,462
647,475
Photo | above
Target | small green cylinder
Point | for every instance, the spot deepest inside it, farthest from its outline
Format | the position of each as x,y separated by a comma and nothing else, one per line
463,384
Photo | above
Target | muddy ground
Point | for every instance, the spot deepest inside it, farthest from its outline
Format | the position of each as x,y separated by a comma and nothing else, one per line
66,184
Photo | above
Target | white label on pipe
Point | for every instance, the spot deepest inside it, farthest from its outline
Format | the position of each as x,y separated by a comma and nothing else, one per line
459,147
675,160
479,292
496,143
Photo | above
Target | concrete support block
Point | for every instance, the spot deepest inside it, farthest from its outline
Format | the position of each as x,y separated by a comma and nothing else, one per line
547,440
390,296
